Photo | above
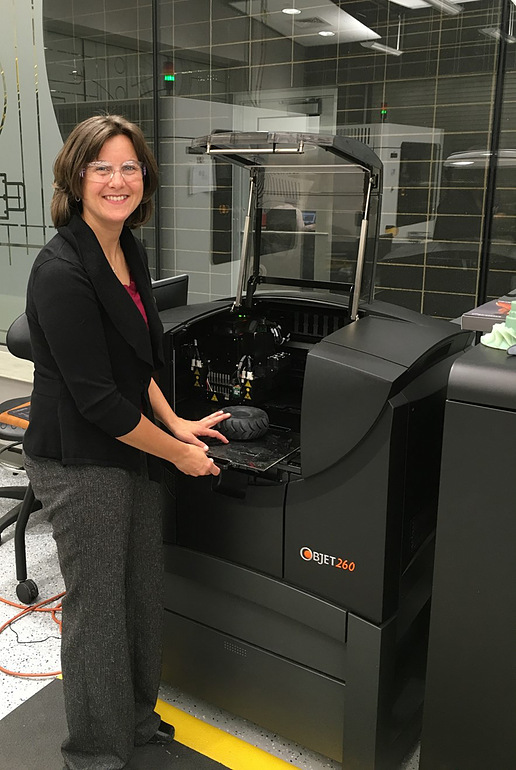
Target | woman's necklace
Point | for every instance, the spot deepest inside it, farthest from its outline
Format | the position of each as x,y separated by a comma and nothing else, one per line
120,267
112,263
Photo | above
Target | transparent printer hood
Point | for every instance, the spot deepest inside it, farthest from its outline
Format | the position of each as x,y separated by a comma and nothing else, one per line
312,207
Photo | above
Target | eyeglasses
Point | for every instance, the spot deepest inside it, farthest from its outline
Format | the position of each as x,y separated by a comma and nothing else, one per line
98,171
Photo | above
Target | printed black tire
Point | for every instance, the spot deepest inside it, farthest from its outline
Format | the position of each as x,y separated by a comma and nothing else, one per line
246,423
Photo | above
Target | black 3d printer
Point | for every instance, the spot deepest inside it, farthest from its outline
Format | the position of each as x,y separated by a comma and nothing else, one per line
298,581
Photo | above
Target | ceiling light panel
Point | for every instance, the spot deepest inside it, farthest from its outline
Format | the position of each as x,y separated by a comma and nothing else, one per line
304,27
418,4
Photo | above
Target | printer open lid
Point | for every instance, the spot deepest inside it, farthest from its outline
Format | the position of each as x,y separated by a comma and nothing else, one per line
312,211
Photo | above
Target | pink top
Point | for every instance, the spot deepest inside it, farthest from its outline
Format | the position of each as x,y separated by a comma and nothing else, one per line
135,296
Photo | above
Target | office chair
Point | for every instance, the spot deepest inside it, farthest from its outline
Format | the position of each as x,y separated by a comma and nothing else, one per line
14,418
168,292
14,413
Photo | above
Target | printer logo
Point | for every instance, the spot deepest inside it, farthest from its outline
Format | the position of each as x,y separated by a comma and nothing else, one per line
307,554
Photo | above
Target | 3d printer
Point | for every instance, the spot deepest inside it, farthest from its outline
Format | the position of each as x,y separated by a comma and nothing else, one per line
298,583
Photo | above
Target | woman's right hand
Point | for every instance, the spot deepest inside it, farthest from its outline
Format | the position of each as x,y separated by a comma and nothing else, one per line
195,462
191,459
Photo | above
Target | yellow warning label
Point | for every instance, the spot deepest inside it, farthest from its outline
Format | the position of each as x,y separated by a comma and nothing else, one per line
247,396
248,384
214,398
197,372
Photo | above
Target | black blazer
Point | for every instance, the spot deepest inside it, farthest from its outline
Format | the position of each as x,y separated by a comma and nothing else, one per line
93,353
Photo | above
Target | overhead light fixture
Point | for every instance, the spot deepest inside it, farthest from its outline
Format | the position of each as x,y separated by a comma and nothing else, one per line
291,11
326,33
497,34
376,46
445,6
480,158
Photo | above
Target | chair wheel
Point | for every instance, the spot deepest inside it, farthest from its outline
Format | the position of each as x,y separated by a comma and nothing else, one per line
27,591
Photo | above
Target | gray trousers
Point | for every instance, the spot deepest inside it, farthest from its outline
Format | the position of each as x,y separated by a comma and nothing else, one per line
107,526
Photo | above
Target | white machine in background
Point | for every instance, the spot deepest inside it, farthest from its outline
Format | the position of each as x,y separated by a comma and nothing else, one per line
412,161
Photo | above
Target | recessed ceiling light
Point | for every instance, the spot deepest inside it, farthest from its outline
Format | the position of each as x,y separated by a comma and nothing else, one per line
291,11
326,33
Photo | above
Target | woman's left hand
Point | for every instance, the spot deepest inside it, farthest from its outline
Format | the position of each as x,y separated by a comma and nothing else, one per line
189,430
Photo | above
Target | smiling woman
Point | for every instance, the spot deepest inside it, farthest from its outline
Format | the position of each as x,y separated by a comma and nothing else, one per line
93,442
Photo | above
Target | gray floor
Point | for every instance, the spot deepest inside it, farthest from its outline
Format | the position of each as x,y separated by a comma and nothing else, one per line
12,389
35,645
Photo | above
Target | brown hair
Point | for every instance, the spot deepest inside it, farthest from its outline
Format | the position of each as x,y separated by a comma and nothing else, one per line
83,146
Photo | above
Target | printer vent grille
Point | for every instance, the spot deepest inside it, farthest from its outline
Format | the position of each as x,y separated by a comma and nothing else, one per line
236,649
316,325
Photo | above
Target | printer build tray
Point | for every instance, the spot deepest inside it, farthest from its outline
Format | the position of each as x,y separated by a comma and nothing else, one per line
260,454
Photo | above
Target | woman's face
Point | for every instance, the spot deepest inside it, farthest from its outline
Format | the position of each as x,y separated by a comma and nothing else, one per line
108,201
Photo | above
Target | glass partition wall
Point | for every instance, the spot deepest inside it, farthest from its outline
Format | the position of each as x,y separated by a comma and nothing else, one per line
414,80
498,274
427,84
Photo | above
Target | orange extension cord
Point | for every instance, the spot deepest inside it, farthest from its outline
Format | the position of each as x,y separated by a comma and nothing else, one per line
40,607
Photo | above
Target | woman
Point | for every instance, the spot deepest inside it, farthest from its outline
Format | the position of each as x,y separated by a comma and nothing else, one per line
92,444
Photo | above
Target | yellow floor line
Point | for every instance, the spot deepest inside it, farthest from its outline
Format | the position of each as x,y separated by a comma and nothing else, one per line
216,744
